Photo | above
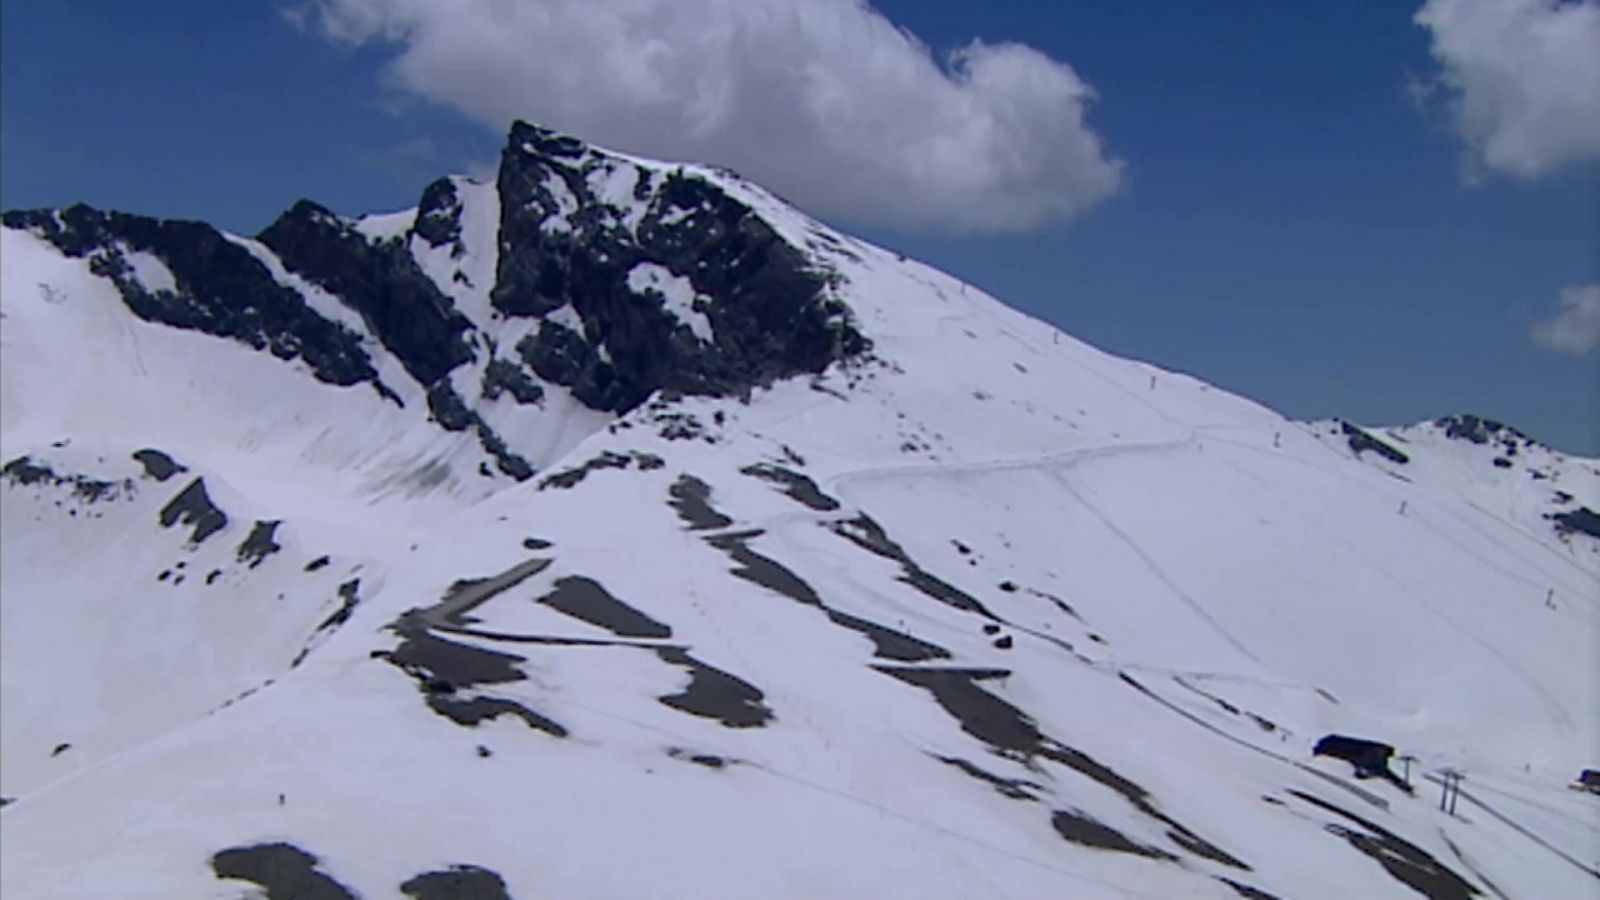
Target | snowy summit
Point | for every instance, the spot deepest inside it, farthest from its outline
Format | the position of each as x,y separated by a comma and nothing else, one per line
613,529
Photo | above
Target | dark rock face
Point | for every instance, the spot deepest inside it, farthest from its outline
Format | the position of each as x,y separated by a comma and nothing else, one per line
691,499
453,414
1361,441
1582,520
379,280
439,216
575,227
457,883
1403,860
283,870
500,376
767,572
715,694
567,478
1085,830
448,409
447,673
259,544
766,304
349,599
24,471
867,534
797,486
194,507
1478,430
221,289
705,760
158,465
588,600
558,354
286,872
1011,788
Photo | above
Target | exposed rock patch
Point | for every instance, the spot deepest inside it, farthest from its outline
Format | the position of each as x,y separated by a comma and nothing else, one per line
1405,861
446,671
1582,520
774,576
869,535
439,217
797,486
563,242
715,694
220,289
705,760
588,600
502,376
1361,441
457,883
259,544
567,478
380,281
453,414
1012,788
283,870
158,465
25,471
1086,831
691,498
193,507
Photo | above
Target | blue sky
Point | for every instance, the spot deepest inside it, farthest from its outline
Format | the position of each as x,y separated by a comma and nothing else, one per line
1289,222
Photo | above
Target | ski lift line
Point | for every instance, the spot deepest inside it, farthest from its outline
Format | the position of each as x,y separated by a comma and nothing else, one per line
1446,536
1551,704
1548,700
1360,792
1565,590
1514,825
1593,826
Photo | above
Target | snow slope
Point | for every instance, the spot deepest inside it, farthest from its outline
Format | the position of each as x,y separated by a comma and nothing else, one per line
829,575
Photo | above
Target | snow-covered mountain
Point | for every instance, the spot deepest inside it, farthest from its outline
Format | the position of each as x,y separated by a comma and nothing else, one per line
614,529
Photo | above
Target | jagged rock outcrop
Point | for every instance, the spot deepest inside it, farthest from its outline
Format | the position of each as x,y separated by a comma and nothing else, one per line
576,227
217,286
665,280
378,279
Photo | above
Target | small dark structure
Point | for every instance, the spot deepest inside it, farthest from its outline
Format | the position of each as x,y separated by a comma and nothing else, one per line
1370,758
1588,780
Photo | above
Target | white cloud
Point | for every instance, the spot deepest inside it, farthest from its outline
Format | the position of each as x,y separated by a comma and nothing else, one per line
1576,328
824,101
1523,78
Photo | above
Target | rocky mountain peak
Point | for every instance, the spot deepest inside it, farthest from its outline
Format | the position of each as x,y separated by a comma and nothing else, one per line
685,287
643,276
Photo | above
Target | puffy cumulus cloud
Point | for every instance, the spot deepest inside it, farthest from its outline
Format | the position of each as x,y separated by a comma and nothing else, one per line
1576,328
1523,80
824,101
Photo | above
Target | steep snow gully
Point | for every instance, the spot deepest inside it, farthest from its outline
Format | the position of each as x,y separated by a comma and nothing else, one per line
610,528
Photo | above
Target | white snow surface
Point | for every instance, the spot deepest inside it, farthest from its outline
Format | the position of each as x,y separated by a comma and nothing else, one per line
150,271
1178,593
677,294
